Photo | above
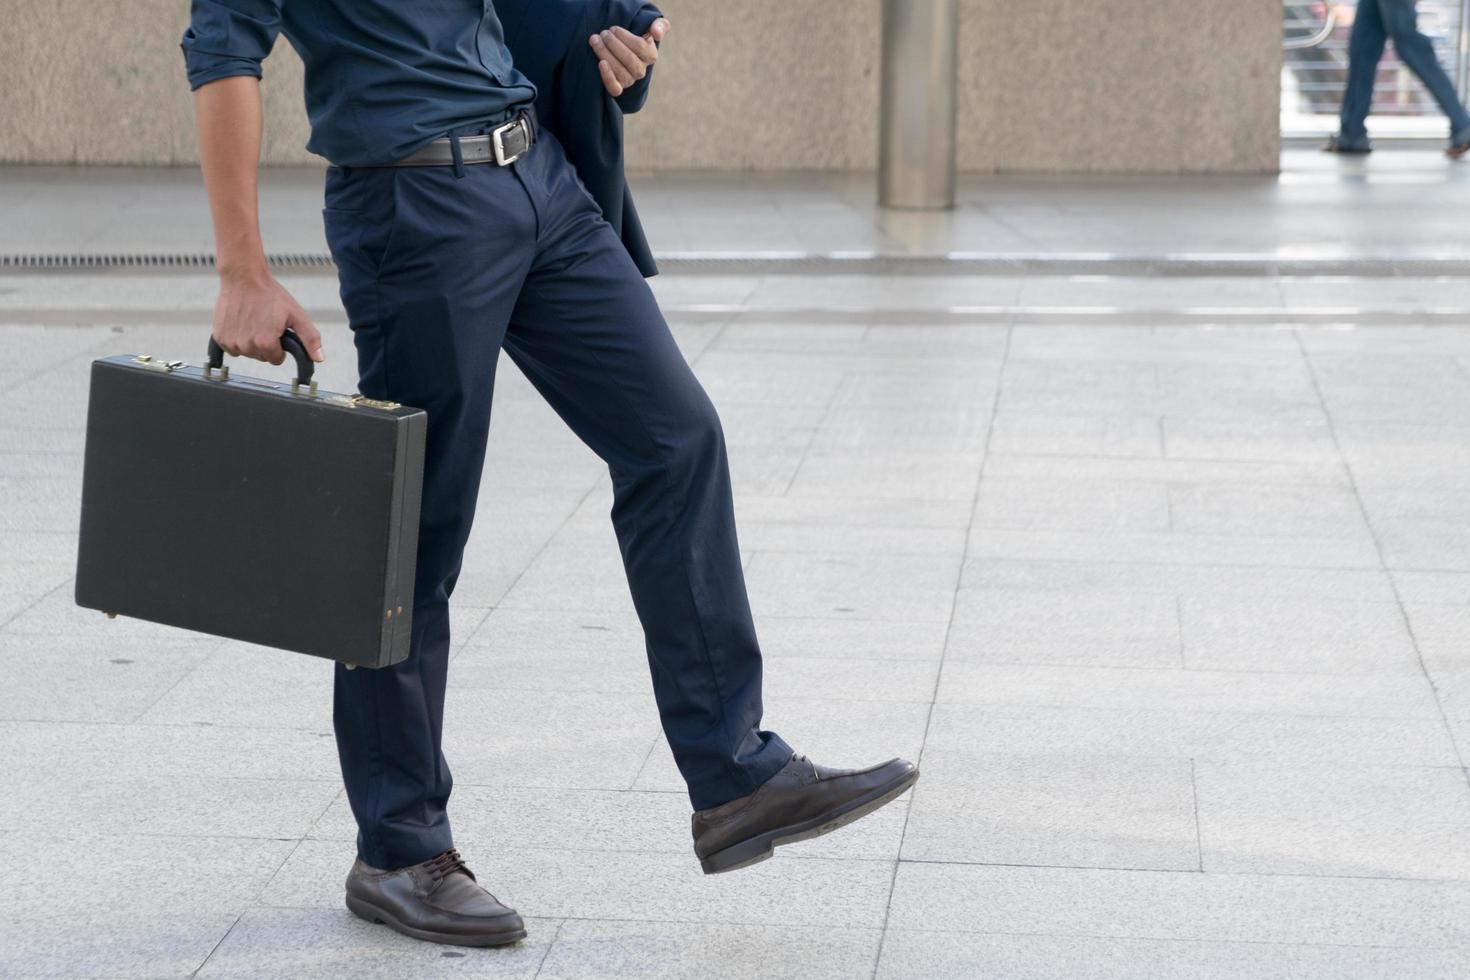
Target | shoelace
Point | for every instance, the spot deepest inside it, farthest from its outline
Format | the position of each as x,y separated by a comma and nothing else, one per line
801,758
443,865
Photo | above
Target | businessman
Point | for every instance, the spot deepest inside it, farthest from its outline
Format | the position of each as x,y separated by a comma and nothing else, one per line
460,229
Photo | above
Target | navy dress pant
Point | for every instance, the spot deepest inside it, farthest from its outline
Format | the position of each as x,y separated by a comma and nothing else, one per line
441,268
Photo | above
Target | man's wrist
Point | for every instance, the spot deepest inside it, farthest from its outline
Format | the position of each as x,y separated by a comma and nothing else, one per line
244,271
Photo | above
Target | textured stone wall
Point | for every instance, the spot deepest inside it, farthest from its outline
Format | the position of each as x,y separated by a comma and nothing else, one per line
1046,85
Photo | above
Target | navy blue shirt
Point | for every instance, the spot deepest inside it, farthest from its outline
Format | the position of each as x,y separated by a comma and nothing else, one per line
383,77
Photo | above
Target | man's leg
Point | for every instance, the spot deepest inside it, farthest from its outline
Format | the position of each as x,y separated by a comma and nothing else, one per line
588,334
1365,50
1415,50
430,266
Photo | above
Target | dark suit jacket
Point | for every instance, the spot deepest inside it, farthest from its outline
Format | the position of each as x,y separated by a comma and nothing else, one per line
548,43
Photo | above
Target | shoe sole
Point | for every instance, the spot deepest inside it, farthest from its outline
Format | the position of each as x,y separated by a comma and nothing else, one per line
370,912
761,847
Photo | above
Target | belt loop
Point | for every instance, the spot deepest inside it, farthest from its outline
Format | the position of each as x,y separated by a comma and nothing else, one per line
457,153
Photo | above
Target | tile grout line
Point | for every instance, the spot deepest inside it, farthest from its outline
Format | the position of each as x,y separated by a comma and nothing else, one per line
34,603
1199,840
556,935
1382,562
215,948
255,901
816,430
944,649
1179,625
633,786
213,652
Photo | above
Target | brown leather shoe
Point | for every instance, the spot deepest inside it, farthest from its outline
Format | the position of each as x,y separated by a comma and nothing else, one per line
802,801
438,901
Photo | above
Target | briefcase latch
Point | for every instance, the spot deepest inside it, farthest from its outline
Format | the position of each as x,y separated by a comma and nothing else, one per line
167,367
367,402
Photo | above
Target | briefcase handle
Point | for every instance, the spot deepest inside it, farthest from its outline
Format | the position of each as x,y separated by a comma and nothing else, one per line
292,344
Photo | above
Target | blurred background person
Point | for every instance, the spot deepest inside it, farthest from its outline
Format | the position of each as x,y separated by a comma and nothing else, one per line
1373,24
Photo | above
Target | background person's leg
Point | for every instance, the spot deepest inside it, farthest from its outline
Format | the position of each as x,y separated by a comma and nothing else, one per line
1365,50
1401,20
588,334
430,267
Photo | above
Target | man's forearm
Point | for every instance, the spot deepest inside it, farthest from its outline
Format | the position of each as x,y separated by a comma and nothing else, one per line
228,118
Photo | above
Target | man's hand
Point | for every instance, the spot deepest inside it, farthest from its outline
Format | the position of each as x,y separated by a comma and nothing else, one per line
252,313
624,58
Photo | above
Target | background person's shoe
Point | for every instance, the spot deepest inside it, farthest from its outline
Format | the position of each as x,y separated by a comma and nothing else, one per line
438,901
1339,144
802,801
1459,145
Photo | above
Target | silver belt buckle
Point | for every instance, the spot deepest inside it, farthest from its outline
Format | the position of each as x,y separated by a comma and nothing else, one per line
497,139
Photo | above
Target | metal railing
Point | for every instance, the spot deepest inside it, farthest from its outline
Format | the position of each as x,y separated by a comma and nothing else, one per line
1315,62
1295,42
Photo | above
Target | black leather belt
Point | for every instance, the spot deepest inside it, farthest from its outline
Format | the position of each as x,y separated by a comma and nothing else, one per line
503,145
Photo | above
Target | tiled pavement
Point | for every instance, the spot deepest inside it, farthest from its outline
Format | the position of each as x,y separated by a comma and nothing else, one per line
1175,615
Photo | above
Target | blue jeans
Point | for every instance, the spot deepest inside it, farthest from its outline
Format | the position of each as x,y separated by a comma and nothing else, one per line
440,271
1377,21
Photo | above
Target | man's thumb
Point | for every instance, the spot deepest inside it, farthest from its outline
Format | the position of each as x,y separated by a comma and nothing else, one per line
659,30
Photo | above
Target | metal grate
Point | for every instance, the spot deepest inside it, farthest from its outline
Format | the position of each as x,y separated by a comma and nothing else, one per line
830,264
156,261
1314,75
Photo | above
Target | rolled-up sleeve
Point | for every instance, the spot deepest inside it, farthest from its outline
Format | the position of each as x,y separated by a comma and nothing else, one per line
229,37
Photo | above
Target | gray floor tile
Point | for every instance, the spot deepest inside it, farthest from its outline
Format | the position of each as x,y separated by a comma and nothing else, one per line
1167,731
877,541
548,738
1450,588
1076,435
1174,549
81,752
860,639
573,576
250,687
1291,472
57,614
1170,905
1052,810
525,649
1266,440
591,948
1399,695
1082,628
960,429
850,679
874,512
1329,820
1066,505
1169,579
176,806
113,944
1442,634
1310,512
1295,635
164,876
940,475
65,678
915,954
331,943
837,586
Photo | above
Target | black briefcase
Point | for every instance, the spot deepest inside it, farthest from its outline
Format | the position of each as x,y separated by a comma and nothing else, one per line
264,511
